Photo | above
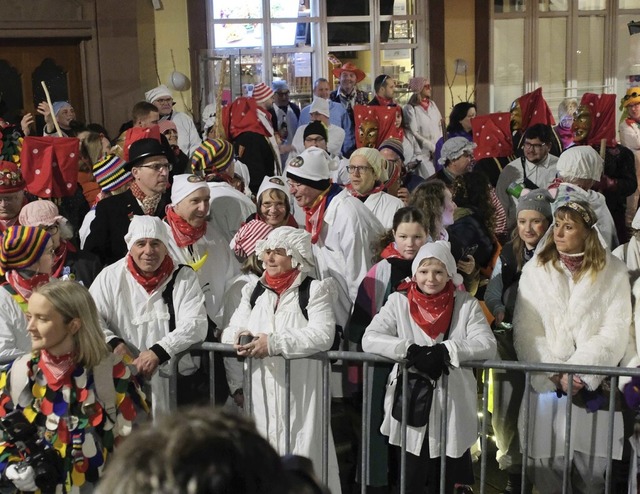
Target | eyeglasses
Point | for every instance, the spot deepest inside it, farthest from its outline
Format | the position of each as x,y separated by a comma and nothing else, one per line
358,170
52,230
293,184
283,93
314,139
158,166
535,147
163,100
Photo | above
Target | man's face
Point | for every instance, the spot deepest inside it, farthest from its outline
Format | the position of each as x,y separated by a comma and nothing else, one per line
347,81
634,112
388,89
281,97
535,150
150,119
194,208
11,204
268,104
65,116
581,125
164,105
152,174
148,254
322,90
315,140
304,195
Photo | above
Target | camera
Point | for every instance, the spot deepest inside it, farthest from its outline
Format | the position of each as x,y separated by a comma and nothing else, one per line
46,462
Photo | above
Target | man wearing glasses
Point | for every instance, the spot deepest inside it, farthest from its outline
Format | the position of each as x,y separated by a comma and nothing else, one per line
535,169
326,135
150,167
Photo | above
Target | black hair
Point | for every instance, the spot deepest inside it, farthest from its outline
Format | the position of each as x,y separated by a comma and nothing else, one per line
539,131
459,113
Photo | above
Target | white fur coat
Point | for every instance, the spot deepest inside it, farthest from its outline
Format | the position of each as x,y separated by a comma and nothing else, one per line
583,323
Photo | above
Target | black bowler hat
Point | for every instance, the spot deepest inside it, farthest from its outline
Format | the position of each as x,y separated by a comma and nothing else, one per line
142,149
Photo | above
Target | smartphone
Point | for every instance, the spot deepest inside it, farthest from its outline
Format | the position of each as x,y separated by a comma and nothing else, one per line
245,339
469,251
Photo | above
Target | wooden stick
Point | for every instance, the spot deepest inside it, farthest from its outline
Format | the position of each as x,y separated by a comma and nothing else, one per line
53,115
603,147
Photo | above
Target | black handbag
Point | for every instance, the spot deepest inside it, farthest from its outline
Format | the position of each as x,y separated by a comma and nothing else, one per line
420,389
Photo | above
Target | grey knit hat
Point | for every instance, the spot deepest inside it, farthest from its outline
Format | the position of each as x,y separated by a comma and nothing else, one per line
537,200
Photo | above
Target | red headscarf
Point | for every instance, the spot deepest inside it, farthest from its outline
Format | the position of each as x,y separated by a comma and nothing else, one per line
535,109
242,116
49,166
492,134
603,118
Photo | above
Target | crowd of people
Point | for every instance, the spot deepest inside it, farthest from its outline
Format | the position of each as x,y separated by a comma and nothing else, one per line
287,231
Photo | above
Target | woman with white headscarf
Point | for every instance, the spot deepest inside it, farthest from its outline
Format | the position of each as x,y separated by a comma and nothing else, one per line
278,323
434,327
573,307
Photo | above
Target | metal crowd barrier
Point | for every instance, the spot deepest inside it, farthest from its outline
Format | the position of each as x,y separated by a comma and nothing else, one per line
367,359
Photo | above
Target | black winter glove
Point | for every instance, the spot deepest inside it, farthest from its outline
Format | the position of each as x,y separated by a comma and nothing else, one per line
432,360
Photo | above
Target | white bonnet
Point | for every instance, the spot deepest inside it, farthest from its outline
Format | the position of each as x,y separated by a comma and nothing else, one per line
441,250
580,162
295,241
146,227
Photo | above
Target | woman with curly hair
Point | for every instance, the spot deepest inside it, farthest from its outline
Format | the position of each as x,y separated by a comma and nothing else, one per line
472,229
435,200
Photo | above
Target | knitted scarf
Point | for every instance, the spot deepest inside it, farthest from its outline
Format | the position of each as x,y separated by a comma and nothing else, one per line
149,203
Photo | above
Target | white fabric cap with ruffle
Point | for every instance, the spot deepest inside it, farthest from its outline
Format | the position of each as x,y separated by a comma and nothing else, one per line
158,92
580,162
184,185
295,241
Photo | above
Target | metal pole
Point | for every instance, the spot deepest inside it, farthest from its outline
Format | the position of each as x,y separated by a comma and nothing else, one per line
403,429
612,418
287,406
566,474
485,420
366,429
526,404
443,432
248,373
212,377
326,417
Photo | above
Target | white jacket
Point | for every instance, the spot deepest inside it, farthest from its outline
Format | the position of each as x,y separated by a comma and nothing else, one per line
384,207
217,271
142,319
391,333
292,337
335,139
343,251
425,128
557,320
14,339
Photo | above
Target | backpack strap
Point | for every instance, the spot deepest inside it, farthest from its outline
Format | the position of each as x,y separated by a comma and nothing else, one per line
167,296
304,293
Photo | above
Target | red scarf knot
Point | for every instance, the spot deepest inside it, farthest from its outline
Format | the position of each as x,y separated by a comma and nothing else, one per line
314,216
57,369
280,282
183,233
150,283
432,313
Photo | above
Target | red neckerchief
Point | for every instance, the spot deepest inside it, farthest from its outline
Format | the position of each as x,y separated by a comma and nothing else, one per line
378,187
153,282
60,257
149,203
572,262
431,312
57,370
4,224
183,233
390,252
280,282
385,101
424,103
314,216
631,122
26,286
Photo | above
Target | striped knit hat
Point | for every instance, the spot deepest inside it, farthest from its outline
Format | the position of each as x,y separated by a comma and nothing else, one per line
110,173
22,246
244,241
262,92
212,156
